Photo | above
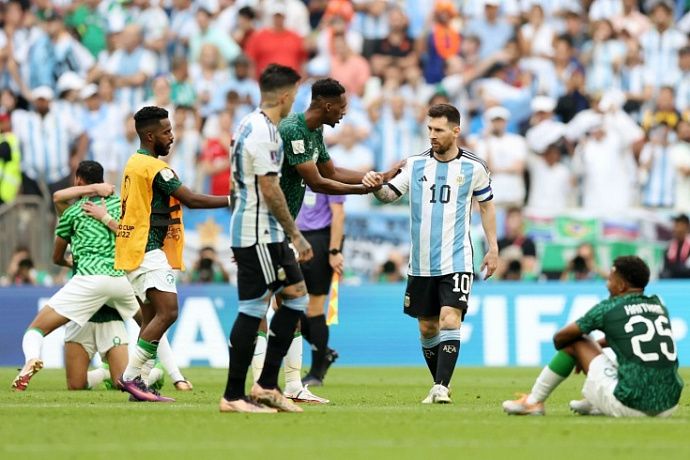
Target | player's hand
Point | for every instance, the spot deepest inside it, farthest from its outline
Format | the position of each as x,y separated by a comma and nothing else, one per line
391,173
303,248
97,211
104,189
490,263
372,179
337,262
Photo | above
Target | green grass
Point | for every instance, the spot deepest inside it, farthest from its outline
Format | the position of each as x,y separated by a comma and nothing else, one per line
375,414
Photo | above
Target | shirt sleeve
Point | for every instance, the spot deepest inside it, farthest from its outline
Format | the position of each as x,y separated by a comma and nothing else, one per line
294,145
264,156
64,226
400,184
594,318
166,181
482,184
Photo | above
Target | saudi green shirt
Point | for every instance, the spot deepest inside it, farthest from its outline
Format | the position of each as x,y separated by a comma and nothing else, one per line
638,329
92,243
300,145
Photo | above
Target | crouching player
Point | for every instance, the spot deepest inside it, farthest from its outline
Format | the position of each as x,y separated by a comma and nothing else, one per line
645,379
105,333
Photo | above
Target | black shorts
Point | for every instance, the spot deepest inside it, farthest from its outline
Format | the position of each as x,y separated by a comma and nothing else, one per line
265,267
425,295
318,271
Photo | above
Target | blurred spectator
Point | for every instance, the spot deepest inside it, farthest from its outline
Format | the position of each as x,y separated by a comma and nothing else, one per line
603,56
513,271
630,19
583,266
103,124
154,24
67,54
442,42
207,268
208,34
46,140
90,23
663,112
131,66
276,43
605,9
657,173
245,26
10,161
336,21
394,131
207,76
492,29
371,21
604,163
215,156
506,155
68,103
536,37
296,15
680,157
351,154
182,89
397,48
661,43
182,26
516,246
184,153
21,271
551,182
677,259
349,68
243,84
683,87
161,94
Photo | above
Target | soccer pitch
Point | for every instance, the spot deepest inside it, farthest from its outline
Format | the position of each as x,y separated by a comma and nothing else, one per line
375,414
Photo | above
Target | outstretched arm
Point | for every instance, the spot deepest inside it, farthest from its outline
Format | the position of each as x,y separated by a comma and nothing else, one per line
195,200
387,194
320,184
275,201
348,176
61,198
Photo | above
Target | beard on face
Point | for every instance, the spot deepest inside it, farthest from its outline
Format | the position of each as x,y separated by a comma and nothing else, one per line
160,149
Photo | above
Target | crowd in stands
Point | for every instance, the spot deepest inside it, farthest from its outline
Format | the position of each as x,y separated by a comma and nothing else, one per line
575,105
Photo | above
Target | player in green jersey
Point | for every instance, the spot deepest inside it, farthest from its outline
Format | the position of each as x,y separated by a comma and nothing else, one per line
95,282
643,379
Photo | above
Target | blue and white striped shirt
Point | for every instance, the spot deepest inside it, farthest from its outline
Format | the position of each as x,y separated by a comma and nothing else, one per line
124,64
257,151
659,190
440,196
45,143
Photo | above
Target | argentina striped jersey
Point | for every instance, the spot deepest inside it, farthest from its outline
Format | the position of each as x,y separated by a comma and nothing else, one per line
440,195
257,151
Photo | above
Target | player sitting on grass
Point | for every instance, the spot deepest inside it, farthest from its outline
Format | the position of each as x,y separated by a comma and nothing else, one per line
643,382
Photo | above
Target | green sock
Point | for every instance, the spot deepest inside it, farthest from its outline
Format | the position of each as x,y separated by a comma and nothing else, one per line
149,347
562,364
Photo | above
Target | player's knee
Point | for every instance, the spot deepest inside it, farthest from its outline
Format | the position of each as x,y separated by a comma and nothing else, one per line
297,303
255,308
77,385
168,316
450,319
428,329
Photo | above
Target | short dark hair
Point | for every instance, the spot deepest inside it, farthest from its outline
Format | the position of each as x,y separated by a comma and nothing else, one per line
445,110
148,116
327,88
633,270
247,12
681,218
276,76
90,171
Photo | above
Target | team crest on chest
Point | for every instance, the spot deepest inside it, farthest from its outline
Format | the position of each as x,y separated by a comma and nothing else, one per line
460,179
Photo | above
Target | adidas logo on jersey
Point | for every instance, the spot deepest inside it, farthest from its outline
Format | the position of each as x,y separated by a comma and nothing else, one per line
423,179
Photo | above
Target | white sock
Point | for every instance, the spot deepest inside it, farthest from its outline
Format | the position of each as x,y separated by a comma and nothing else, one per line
146,370
293,366
547,381
96,376
259,356
31,344
167,359
136,361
